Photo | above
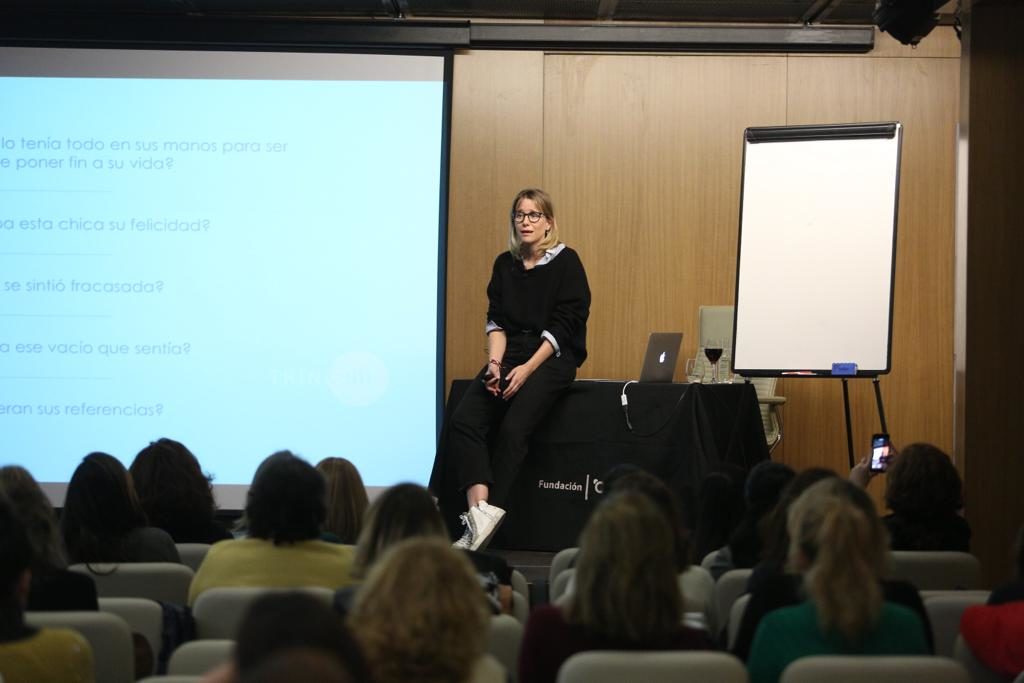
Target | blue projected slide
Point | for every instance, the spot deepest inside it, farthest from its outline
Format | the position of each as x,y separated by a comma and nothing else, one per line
244,259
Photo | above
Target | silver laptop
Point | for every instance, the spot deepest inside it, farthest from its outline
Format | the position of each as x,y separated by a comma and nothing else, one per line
662,354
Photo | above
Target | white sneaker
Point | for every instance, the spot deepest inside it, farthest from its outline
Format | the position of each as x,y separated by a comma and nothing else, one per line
484,519
466,542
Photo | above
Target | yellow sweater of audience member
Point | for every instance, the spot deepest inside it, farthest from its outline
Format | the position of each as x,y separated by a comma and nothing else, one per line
258,562
52,655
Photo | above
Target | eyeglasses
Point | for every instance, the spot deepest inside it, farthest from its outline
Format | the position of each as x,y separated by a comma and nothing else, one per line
533,216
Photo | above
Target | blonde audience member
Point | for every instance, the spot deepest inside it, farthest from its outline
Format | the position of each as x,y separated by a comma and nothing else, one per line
285,508
421,616
839,544
627,595
346,500
406,511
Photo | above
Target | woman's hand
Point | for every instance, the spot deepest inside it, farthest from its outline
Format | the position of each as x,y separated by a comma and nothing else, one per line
862,474
492,381
516,378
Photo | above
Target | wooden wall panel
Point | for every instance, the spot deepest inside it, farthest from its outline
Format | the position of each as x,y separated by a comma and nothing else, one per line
992,410
922,94
643,156
496,150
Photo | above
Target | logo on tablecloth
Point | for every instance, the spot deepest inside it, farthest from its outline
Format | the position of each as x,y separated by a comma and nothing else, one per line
591,485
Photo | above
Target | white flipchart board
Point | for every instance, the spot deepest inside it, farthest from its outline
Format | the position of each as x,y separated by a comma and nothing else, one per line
817,249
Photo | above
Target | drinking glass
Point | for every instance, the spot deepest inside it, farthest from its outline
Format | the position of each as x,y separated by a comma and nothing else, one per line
713,352
692,374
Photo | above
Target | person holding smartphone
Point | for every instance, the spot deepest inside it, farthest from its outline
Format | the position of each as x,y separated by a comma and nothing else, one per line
538,305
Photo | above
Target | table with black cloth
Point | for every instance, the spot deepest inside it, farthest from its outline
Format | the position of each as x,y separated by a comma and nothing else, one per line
680,433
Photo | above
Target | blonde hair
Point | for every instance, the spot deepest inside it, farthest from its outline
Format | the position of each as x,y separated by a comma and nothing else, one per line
547,207
626,582
346,498
421,615
836,535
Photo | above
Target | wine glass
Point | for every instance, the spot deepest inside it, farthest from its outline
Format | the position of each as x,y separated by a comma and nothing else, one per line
713,352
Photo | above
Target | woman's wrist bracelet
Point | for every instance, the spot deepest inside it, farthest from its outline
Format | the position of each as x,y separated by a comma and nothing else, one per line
494,362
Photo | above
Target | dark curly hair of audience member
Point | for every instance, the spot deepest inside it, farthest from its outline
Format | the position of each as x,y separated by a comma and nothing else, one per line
100,509
402,511
922,481
173,490
277,622
346,498
287,500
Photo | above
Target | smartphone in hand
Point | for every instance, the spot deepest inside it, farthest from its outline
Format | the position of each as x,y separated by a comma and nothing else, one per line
881,452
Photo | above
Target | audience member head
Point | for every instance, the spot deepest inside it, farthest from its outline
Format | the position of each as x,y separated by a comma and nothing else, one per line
346,498
286,502
402,511
33,508
15,566
171,486
923,483
626,581
840,545
720,508
277,623
664,500
100,509
421,615
299,664
773,527
761,492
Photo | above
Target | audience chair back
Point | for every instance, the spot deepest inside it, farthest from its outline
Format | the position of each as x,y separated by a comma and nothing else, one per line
520,584
730,586
171,679
520,607
978,672
652,667
192,554
560,588
872,669
109,636
197,657
736,618
709,560
944,610
219,611
560,562
505,638
935,570
698,590
161,581
143,616
488,670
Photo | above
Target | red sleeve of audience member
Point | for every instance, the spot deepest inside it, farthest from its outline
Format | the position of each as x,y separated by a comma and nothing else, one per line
995,635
